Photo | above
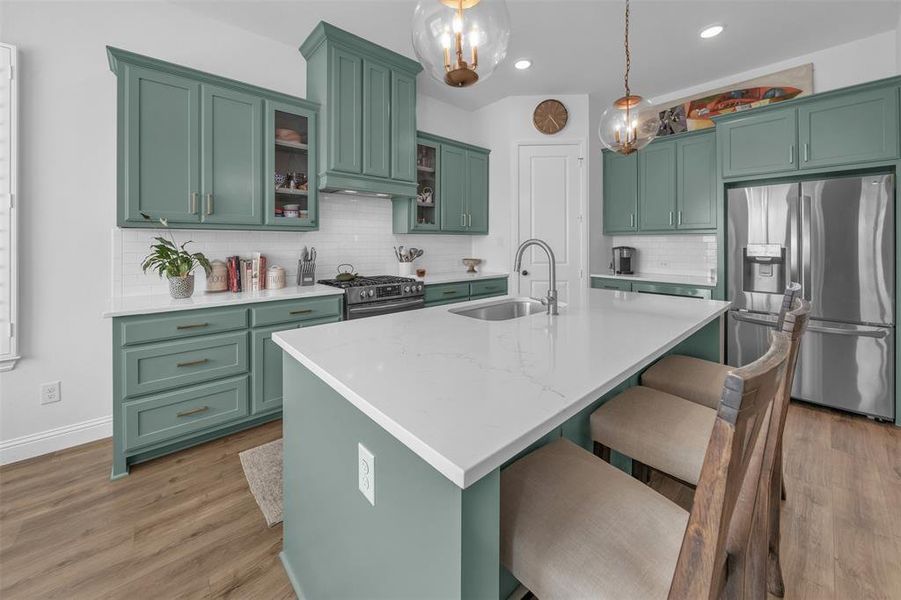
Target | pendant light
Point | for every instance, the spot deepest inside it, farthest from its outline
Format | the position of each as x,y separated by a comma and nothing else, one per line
461,42
632,122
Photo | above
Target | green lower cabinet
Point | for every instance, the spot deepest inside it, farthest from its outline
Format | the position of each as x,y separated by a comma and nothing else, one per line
604,283
449,293
671,289
487,288
847,129
267,366
183,378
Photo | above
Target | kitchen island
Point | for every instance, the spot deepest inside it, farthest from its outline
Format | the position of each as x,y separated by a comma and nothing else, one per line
443,401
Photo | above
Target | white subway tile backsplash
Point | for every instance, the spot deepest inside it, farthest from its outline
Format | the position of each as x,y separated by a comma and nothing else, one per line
685,254
355,230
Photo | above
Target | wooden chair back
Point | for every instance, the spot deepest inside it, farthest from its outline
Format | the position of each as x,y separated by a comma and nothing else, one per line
789,301
733,462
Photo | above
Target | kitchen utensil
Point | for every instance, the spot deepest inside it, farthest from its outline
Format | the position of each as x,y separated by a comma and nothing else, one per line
217,280
279,179
472,263
405,269
347,275
275,277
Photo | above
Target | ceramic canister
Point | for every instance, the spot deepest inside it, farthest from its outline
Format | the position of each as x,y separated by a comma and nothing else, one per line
275,277
217,280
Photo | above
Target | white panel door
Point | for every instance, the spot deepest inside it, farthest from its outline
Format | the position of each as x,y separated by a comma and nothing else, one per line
550,208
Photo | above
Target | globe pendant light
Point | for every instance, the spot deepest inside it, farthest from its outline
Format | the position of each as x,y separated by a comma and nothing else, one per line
461,42
632,122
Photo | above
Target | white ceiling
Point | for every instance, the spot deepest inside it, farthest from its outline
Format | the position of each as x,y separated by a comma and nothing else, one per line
576,45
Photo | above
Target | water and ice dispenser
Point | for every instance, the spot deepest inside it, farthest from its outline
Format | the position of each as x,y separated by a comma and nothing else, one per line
764,268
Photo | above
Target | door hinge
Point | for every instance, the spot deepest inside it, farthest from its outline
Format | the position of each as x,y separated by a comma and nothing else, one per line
581,159
12,200
581,274
11,74
12,330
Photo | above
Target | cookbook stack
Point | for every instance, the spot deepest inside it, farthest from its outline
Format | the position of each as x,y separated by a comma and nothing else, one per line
246,274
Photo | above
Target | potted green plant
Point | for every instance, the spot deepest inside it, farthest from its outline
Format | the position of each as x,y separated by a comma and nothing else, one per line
176,263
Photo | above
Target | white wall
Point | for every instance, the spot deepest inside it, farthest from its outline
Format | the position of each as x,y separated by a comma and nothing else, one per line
502,125
68,189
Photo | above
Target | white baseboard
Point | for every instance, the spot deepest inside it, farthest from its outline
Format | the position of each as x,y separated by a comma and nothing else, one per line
44,442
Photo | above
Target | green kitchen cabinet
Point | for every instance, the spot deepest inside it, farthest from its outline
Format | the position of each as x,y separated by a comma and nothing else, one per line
486,288
159,146
376,119
367,95
657,187
849,128
608,283
696,197
422,214
476,192
197,149
453,188
185,377
759,143
620,193
437,294
232,156
671,289
284,156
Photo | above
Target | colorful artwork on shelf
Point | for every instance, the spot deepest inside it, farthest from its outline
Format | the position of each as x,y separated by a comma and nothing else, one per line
697,112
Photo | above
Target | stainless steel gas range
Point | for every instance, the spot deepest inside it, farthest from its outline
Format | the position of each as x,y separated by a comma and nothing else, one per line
379,295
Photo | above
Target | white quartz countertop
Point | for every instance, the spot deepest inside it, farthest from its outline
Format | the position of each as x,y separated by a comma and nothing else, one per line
693,280
467,395
143,305
459,276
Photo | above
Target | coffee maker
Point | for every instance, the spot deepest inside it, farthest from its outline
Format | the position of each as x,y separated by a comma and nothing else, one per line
623,260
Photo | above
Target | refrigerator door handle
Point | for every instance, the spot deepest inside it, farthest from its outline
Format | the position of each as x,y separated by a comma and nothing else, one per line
805,247
870,333
794,209
754,319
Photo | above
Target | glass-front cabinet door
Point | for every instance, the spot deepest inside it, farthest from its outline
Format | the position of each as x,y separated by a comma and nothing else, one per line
426,203
291,189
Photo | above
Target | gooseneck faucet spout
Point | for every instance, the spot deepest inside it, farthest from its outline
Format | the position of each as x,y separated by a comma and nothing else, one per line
551,300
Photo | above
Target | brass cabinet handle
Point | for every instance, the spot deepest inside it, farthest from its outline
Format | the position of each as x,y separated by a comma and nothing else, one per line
193,411
303,311
209,203
450,292
193,203
193,363
192,326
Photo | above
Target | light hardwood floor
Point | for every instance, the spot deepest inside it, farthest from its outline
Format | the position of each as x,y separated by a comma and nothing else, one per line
186,526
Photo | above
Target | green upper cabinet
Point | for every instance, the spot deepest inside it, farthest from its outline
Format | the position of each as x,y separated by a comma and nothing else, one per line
403,126
657,186
759,143
232,156
453,188
367,141
159,146
376,119
849,128
696,200
620,193
476,192
201,151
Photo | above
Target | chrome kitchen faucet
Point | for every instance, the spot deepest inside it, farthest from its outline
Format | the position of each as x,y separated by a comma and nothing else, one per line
551,300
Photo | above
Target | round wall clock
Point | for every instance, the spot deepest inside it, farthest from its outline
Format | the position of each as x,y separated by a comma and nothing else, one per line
550,117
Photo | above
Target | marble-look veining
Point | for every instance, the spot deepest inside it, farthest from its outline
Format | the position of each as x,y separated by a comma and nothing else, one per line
467,395
158,303
459,276
693,280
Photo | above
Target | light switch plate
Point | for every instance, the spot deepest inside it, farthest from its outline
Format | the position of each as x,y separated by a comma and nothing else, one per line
366,473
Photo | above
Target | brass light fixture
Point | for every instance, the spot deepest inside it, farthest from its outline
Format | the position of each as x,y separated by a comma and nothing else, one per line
461,41
631,123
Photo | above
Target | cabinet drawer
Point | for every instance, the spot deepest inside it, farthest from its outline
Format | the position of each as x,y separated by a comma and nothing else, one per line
446,292
668,289
153,328
603,283
174,414
490,287
168,365
295,310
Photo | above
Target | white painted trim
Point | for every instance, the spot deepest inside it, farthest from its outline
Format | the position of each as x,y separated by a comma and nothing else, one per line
11,283
584,147
44,442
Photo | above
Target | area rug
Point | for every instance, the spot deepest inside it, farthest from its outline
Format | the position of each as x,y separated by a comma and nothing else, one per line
263,470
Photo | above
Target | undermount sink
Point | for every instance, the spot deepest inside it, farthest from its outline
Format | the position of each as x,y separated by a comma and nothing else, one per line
503,310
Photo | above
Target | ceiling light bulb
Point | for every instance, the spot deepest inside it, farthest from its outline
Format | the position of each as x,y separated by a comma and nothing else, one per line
445,40
457,24
712,31
523,64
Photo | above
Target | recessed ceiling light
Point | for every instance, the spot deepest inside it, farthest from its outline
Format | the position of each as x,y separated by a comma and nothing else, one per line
523,64
712,31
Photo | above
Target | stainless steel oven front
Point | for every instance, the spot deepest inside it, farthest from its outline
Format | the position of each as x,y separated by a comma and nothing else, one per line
382,307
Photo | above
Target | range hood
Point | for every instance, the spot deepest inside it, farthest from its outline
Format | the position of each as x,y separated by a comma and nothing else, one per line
367,117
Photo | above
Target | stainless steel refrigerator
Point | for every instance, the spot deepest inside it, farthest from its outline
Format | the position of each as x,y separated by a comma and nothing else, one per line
837,238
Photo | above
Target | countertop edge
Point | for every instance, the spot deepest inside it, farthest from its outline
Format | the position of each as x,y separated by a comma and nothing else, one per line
439,278
692,280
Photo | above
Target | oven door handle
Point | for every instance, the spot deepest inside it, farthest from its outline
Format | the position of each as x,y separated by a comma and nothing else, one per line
386,306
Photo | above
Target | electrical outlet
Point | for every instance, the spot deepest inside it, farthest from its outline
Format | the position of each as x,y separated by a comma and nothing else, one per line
50,393
366,473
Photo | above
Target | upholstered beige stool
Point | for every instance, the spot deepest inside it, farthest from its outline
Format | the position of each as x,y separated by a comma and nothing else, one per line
694,379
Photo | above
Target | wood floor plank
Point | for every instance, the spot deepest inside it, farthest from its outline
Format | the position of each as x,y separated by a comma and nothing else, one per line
187,526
